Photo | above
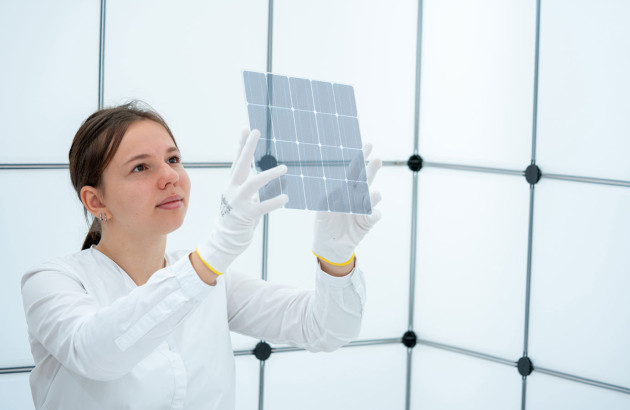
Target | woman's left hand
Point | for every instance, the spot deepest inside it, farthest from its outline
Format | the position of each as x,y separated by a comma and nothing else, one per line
338,234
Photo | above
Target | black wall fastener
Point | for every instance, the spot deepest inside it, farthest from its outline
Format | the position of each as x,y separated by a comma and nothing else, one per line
409,339
415,162
267,162
533,174
525,366
262,351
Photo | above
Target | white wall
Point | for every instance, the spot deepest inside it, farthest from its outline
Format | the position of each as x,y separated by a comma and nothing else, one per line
476,109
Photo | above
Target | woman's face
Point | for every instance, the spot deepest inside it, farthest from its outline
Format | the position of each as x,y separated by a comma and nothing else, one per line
145,187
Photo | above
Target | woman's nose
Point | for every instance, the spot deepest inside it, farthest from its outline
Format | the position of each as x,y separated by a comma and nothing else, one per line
167,176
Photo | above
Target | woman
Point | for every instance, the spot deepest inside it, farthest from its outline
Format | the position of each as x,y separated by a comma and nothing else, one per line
122,324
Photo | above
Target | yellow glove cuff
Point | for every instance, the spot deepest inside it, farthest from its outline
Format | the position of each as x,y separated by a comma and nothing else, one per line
207,265
333,263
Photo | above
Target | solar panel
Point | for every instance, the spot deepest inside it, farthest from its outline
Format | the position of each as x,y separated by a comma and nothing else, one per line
312,127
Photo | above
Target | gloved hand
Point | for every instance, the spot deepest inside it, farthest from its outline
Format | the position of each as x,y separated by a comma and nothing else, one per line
240,208
337,234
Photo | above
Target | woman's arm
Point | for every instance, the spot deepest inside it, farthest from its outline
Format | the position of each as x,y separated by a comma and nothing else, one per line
105,343
320,320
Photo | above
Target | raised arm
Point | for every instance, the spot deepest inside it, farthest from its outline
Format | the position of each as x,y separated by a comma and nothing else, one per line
105,343
320,320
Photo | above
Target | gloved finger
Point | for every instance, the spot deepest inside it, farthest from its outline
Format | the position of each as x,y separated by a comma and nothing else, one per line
375,198
372,167
367,150
374,218
244,161
241,143
273,203
255,182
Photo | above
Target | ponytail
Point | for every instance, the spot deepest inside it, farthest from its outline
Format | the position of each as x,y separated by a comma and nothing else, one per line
94,235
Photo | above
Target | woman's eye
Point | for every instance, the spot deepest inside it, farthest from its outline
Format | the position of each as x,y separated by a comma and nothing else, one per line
174,160
139,168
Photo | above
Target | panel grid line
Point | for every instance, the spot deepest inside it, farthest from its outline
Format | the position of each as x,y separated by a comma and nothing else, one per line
101,56
265,233
414,203
531,204
388,163
424,342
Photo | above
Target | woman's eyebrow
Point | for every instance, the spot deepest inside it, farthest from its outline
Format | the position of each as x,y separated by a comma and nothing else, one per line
143,156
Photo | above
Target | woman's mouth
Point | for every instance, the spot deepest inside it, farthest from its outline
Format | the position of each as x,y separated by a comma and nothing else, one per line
171,202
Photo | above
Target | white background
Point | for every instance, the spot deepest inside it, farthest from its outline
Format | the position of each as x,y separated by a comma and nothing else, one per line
476,108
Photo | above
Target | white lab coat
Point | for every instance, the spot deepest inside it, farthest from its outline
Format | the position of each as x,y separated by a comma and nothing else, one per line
99,341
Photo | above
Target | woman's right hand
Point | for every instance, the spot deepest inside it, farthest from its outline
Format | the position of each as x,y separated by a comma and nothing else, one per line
240,208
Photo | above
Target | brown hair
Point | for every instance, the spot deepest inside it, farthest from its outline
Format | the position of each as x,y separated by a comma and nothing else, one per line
95,144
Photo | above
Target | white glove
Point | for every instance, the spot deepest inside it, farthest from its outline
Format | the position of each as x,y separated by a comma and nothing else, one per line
240,208
337,234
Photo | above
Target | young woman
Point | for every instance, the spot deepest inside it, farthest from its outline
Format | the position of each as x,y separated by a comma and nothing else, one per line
125,325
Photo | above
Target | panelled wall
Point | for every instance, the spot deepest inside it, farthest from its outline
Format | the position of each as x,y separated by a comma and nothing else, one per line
481,267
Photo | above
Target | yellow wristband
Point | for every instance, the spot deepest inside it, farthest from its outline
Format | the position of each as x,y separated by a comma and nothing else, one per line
333,263
206,263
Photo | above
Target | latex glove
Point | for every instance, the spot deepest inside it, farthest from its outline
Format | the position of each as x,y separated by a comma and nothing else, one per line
240,208
337,234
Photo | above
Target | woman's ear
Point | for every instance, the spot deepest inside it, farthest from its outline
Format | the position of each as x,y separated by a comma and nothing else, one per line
90,197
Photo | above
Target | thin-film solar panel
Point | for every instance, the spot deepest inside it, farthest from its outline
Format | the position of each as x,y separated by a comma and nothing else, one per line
312,127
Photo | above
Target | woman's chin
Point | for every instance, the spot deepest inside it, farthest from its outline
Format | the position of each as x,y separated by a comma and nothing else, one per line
166,226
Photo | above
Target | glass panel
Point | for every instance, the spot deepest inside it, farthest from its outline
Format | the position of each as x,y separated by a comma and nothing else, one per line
279,91
49,78
344,100
52,215
350,135
550,393
383,255
247,382
477,82
181,68
256,88
294,187
446,380
579,294
367,377
366,45
471,260
583,124
282,124
323,97
328,130
301,94
16,391
306,127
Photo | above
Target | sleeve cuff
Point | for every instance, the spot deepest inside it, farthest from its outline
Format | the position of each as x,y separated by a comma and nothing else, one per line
191,284
335,281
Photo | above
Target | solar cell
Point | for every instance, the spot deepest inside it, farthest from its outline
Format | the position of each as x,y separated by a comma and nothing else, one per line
312,127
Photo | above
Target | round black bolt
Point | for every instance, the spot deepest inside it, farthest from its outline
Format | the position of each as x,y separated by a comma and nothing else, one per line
525,366
409,339
262,351
267,162
533,174
415,162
